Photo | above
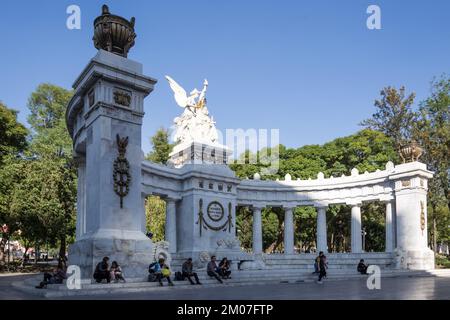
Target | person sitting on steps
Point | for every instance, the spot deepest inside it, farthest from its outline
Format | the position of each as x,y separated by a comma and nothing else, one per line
211,269
224,268
102,271
158,271
187,271
362,267
116,272
57,277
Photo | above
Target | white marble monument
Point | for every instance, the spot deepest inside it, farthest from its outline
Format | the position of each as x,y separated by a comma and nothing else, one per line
202,193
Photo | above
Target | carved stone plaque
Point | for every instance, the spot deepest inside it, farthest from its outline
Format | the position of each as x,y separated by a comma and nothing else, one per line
122,97
215,211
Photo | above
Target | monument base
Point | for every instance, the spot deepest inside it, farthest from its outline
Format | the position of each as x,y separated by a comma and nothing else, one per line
133,255
415,260
199,152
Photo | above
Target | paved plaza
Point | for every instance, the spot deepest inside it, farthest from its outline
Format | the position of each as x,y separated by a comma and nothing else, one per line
421,288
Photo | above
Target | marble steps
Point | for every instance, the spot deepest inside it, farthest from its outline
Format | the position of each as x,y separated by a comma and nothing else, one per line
239,279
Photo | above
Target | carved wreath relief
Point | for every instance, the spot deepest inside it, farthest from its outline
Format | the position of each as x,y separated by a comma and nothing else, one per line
215,213
121,173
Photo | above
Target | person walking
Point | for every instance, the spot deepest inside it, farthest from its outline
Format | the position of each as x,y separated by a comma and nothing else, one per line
323,265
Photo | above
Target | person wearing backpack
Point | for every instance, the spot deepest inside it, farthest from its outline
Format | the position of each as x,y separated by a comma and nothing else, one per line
158,271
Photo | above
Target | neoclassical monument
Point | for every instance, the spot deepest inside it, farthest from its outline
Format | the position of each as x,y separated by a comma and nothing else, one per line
104,119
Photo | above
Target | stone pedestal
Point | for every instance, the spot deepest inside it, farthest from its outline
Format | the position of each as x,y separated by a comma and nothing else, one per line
412,250
107,105
199,152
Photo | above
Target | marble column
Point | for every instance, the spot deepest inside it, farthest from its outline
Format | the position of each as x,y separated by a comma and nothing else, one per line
171,225
288,231
257,230
356,229
389,227
81,198
322,229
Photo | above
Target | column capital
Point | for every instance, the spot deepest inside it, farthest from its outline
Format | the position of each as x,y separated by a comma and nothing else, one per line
258,207
321,206
355,204
290,207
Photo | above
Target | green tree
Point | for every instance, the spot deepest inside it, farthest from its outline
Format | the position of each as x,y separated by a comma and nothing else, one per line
12,142
394,116
161,147
52,146
432,131
47,106
155,212
367,150
12,133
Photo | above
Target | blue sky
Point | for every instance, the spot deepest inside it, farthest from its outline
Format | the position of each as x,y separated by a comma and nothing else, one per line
310,68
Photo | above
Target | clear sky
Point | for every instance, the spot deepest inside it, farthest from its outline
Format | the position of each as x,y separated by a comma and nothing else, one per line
309,68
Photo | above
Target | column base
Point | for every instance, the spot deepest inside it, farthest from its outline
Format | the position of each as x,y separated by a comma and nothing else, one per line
414,259
133,255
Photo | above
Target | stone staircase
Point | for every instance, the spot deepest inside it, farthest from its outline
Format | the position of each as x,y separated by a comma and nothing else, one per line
280,269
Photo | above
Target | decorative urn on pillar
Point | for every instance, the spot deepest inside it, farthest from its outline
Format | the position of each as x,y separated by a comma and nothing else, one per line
410,152
113,33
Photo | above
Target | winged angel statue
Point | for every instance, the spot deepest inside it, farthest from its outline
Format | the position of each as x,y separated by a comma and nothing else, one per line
194,124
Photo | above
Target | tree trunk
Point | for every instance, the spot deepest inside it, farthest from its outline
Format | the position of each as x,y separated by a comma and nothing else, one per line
434,234
25,255
3,248
62,252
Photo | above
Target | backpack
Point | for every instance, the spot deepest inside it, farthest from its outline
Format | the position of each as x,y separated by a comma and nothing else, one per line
178,276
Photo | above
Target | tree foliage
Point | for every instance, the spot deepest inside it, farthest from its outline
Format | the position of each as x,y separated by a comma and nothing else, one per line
155,213
394,115
161,147
367,150
12,133
39,204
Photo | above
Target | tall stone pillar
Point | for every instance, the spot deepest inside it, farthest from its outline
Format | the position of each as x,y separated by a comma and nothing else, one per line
171,225
257,231
322,229
411,216
104,119
356,229
288,231
389,227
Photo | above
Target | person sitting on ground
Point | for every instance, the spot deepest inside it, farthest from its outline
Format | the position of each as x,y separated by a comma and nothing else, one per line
102,271
187,271
224,268
158,271
212,269
57,277
362,267
116,272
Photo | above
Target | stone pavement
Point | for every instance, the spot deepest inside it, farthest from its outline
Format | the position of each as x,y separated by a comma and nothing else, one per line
391,289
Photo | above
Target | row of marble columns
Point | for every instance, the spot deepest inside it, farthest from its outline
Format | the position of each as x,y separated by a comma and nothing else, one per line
356,231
